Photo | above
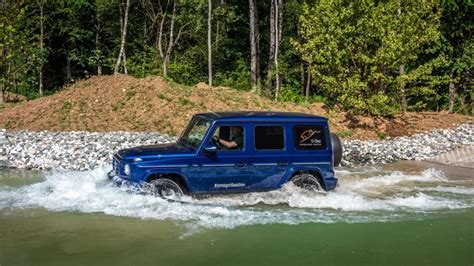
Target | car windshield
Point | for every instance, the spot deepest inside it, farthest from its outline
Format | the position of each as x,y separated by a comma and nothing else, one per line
195,132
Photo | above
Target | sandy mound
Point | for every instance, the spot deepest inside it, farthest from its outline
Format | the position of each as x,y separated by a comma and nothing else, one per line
115,103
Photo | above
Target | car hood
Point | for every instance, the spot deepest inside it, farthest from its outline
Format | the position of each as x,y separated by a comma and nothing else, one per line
152,151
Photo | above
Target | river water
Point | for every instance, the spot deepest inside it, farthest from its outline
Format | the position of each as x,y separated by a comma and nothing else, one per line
402,213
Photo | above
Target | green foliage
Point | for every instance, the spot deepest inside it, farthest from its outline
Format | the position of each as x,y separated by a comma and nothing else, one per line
131,92
293,94
381,135
145,63
118,105
185,101
352,49
18,58
355,49
457,45
344,133
238,79
163,97
65,108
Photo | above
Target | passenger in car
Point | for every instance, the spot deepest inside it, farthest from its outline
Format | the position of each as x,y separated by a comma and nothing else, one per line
236,140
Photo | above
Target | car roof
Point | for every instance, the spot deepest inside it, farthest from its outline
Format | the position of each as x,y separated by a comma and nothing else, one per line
261,116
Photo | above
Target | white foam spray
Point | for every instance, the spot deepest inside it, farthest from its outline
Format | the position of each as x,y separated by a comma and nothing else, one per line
385,196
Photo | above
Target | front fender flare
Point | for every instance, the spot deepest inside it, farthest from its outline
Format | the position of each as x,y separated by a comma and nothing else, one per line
145,176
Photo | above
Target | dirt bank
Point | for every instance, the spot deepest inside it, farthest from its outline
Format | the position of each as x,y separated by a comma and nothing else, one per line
115,103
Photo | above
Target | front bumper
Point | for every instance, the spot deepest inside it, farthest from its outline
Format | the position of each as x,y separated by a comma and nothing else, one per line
121,182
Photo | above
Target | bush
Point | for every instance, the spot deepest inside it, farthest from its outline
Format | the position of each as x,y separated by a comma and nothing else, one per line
238,78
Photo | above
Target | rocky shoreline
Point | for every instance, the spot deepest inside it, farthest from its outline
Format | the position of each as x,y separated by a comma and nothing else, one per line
419,147
88,150
76,150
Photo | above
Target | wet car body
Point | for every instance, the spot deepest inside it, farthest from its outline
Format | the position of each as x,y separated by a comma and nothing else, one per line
276,147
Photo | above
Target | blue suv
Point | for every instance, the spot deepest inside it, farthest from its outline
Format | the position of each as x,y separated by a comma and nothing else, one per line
236,152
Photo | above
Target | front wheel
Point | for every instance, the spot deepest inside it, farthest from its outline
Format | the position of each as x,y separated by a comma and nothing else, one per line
166,188
306,181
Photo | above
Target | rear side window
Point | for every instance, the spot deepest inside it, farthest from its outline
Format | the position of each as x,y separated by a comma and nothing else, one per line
269,138
309,138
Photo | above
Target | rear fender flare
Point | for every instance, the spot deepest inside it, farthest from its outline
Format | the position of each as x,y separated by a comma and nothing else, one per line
294,170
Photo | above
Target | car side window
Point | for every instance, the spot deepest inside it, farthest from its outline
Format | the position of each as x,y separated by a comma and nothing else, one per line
229,137
309,137
269,138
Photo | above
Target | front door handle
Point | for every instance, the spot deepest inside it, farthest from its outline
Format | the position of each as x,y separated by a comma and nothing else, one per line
282,164
240,164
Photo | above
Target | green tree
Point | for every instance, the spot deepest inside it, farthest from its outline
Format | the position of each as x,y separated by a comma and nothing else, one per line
457,44
18,52
355,49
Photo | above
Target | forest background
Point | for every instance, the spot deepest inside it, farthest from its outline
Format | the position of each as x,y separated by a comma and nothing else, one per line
365,57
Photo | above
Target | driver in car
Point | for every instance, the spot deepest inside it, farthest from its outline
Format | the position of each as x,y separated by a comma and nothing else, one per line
236,140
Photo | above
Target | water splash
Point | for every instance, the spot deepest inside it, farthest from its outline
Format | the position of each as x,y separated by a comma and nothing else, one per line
362,196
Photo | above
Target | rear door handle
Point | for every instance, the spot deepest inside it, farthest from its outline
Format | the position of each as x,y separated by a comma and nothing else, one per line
282,164
240,164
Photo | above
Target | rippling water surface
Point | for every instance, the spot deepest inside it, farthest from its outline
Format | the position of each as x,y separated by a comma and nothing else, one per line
369,194
397,214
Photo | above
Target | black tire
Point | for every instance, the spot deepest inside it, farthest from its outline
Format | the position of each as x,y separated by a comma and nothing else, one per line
306,181
336,149
167,188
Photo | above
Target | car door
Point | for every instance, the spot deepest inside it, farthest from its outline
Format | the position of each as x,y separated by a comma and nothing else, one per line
225,170
270,157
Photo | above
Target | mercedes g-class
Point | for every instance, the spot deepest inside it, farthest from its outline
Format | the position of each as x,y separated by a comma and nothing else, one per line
233,152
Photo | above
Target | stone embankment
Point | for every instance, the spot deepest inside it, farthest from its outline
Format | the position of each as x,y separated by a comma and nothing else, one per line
88,150
419,147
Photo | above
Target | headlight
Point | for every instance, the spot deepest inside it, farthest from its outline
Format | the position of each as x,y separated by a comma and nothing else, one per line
126,169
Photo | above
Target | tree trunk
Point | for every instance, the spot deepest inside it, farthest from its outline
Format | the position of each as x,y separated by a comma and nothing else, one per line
302,64
170,42
2,73
254,46
278,28
40,81
68,67
218,27
402,73
308,83
159,41
257,45
402,88
452,96
124,61
121,57
97,42
143,52
2,93
271,58
209,42
302,79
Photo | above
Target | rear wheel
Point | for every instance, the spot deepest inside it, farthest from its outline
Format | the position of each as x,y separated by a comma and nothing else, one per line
166,188
306,181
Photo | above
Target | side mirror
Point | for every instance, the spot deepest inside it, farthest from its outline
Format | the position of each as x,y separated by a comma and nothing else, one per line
210,149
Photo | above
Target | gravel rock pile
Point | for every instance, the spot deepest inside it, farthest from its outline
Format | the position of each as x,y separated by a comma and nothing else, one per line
416,147
88,150
72,150
3,150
